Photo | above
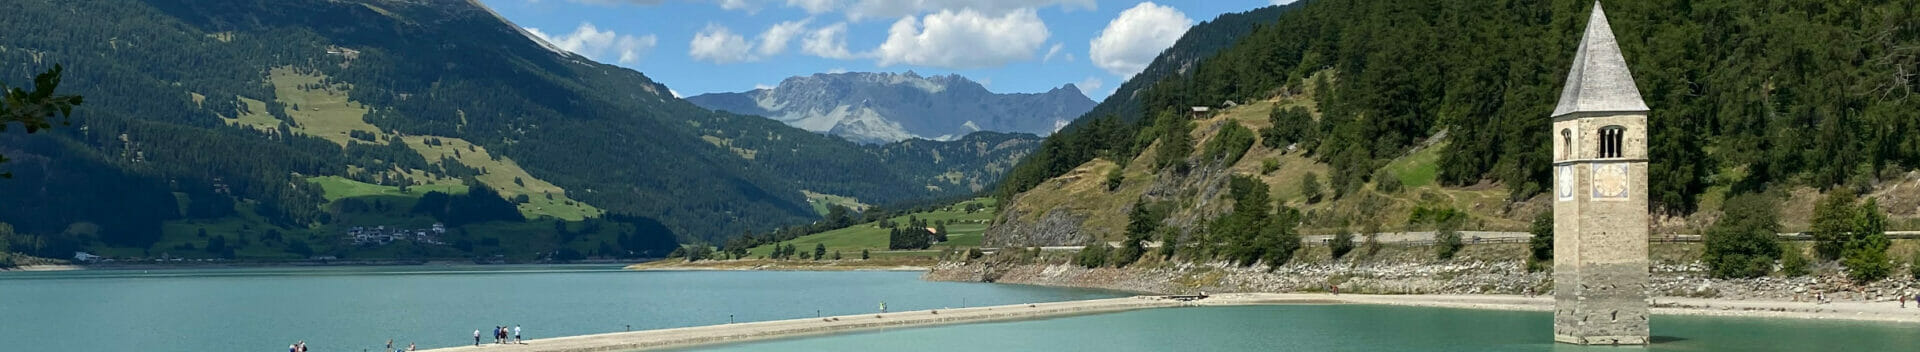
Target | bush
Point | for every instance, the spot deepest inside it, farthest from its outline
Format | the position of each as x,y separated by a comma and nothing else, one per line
1446,242
1913,268
1126,255
1093,256
1169,242
1342,243
972,253
1743,244
1794,264
1866,258
1372,245
1269,165
1387,182
1310,188
1541,244
864,255
1832,223
1229,144
1114,178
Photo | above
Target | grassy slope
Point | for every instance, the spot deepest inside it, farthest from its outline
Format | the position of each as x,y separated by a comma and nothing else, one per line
963,231
328,114
1083,190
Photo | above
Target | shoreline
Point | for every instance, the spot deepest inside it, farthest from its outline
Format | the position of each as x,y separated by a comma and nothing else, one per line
696,336
912,265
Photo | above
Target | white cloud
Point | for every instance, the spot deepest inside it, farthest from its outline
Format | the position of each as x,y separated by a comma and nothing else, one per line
837,70
859,9
719,45
676,93
963,39
774,40
1281,2
596,44
618,2
1131,41
814,6
762,86
741,5
1090,85
1051,52
828,42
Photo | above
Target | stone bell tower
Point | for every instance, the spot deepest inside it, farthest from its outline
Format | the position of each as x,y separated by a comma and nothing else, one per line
1600,197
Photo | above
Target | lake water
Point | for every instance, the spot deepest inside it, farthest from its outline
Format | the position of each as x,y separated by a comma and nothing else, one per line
359,308
1350,328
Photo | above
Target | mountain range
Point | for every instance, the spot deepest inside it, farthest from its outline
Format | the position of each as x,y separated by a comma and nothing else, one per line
255,119
877,108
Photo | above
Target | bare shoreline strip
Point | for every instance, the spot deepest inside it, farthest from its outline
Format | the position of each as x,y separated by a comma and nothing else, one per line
781,329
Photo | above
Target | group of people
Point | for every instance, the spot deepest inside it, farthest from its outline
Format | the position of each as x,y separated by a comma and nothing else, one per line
500,335
298,346
410,346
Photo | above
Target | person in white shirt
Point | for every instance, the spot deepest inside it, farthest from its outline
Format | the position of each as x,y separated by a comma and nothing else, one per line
516,335
476,337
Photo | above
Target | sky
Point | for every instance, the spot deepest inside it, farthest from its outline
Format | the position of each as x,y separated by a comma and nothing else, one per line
1010,46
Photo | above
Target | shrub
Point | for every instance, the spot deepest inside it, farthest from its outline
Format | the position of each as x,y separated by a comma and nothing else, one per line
1169,242
1269,165
1114,179
1093,256
1342,243
1230,143
1310,188
1743,244
1446,242
1866,258
1372,245
1793,263
1831,223
1541,244
1387,182
1913,268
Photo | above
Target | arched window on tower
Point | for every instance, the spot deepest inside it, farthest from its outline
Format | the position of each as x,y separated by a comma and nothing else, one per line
1566,143
1611,141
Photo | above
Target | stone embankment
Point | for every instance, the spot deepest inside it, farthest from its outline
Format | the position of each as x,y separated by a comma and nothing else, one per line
1445,278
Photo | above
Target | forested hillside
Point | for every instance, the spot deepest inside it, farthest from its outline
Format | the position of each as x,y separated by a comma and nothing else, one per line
1745,94
313,116
1123,109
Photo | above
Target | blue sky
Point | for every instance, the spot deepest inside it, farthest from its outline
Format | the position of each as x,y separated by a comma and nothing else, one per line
705,46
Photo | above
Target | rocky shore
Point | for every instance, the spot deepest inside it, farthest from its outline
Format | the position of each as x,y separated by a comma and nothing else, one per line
1476,274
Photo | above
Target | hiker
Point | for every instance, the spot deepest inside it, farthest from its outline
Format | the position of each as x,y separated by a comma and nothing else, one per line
476,337
516,334
883,307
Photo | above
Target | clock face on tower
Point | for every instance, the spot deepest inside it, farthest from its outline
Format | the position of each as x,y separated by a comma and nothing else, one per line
1610,181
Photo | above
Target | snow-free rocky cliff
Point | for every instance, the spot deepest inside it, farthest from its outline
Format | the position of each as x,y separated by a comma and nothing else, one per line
887,107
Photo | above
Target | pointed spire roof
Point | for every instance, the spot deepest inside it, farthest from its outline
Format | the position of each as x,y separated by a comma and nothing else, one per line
1599,80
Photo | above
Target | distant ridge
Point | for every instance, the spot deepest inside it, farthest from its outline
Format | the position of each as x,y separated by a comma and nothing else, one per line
888,107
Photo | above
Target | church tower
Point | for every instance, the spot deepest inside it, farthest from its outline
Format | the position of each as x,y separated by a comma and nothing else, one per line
1600,197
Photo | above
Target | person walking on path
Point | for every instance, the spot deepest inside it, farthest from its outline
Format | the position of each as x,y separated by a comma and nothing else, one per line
516,335
476,337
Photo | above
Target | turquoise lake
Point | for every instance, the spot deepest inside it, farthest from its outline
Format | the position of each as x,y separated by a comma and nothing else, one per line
1350,328
359,308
